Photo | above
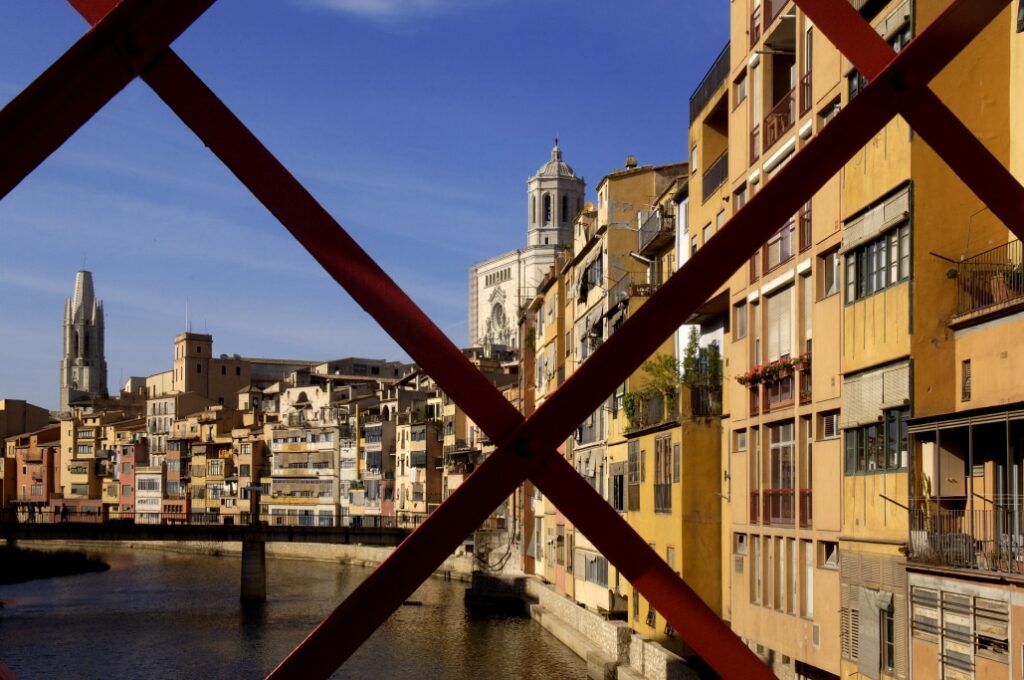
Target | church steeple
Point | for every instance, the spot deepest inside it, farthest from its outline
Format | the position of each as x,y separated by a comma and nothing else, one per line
83,368
555,197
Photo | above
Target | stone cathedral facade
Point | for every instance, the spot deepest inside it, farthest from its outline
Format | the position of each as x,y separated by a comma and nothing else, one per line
83,367
498,287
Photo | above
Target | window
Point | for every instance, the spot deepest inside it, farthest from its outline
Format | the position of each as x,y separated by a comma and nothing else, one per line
755,572
829,112
693,244
635,475
547,209
828,556
779,324
878,264
223,370
618,496
829,425
807,585
595,569
857,82
740,439
199,368
739,90
887,638
878,447
677,463
739,198
565,209
965,380
828,269
636,604
126,490
663,474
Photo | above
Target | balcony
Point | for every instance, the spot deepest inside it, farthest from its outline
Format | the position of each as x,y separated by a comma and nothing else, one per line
656,231
755,400
707,88
778,392
647,410
772,9
715,175
982,539
990,280
632,285
779,120
663,498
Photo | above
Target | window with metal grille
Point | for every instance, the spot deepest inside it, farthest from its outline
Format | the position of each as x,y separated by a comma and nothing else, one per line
829,425
636,475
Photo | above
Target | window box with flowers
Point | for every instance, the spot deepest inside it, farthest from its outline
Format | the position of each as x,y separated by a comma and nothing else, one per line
777,377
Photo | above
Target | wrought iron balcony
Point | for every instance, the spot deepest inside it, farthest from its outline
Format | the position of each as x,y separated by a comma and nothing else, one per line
629,286
991,279
984,538
656,230
715,175
780,119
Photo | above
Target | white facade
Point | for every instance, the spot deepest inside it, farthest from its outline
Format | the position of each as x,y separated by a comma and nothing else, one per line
500,286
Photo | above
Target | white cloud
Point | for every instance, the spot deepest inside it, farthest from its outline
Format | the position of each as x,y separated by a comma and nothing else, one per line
395,9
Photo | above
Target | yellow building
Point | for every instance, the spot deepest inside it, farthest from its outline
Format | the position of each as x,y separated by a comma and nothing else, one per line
965,545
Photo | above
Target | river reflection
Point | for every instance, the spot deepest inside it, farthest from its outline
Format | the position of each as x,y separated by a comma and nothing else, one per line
167,615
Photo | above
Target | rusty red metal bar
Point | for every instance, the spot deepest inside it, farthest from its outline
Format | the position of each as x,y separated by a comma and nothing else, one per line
528,448
926,113
36,122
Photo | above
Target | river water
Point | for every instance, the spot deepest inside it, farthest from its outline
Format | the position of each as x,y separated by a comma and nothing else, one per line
168,615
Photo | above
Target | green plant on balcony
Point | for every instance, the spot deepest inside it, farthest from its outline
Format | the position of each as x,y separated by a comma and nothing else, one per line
662,380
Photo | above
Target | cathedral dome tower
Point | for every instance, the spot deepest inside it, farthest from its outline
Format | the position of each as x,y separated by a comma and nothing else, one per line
555,197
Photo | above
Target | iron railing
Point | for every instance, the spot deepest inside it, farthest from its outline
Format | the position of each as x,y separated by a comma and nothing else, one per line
633,284
989,538
805,508
780,119
712,80
656,227
772,9
715,175
778,392
705,400
805,93
991,278
805,386
779,506
755,143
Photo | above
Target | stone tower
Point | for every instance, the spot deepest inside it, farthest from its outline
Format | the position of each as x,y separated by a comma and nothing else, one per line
555,196
83,368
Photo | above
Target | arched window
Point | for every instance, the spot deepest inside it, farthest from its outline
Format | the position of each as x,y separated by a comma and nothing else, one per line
565,209
547,209
533,210
86,350
74,342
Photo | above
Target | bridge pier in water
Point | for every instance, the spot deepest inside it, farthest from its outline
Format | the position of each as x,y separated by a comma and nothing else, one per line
254,570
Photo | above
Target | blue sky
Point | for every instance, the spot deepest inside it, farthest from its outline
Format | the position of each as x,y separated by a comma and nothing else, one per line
415,123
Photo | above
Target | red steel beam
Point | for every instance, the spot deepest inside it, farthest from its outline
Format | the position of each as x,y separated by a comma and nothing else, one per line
532,433
36,122
926,113
816,162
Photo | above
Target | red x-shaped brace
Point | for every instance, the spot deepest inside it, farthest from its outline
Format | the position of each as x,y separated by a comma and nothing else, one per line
132,39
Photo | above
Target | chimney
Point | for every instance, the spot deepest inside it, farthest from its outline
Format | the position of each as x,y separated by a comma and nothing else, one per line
630,162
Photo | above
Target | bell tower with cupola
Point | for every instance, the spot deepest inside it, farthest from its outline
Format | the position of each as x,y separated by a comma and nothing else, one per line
555,197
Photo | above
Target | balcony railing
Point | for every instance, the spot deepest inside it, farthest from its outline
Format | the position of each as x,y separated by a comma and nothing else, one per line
712,80
705,401
779,506
631,285
755,400
650,410
805,508
755,507
779,249
805,93
805,386
986,539
991,278
804,218
772,9
779,120
656,228
778,393
715,175
755,143
663,498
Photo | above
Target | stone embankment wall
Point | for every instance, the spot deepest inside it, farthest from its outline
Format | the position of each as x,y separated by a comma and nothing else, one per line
458,566
611,649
